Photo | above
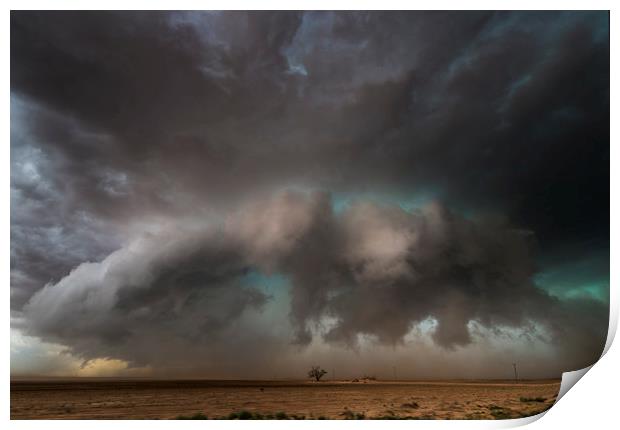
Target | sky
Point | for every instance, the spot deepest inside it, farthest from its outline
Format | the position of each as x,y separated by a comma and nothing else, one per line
247,194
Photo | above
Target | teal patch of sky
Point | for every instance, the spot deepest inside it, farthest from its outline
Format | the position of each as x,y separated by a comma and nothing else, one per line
406,201
274,315
588,278
275,285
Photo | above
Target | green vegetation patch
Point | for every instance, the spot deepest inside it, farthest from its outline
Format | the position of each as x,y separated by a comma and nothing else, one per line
532,399
500,413
350,415
196,416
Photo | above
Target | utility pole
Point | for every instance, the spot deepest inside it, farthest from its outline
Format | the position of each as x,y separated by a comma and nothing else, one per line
334,373
514,365
394,372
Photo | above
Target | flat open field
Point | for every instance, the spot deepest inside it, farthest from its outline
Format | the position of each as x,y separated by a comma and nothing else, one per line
156,399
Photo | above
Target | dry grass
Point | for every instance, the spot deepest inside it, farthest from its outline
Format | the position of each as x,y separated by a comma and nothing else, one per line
144,399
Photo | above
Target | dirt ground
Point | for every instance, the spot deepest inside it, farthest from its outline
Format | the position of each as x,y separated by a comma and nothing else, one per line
151,399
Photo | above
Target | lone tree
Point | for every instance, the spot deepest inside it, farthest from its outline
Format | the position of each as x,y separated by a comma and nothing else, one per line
317,373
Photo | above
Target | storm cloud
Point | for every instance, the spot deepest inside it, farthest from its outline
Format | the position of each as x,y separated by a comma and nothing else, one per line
387,170
373,270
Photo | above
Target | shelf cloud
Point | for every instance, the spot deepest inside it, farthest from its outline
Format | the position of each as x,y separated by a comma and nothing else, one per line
195,188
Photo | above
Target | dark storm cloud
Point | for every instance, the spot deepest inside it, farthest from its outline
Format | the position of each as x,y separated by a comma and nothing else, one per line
375,270
131,123
174,287
486,106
